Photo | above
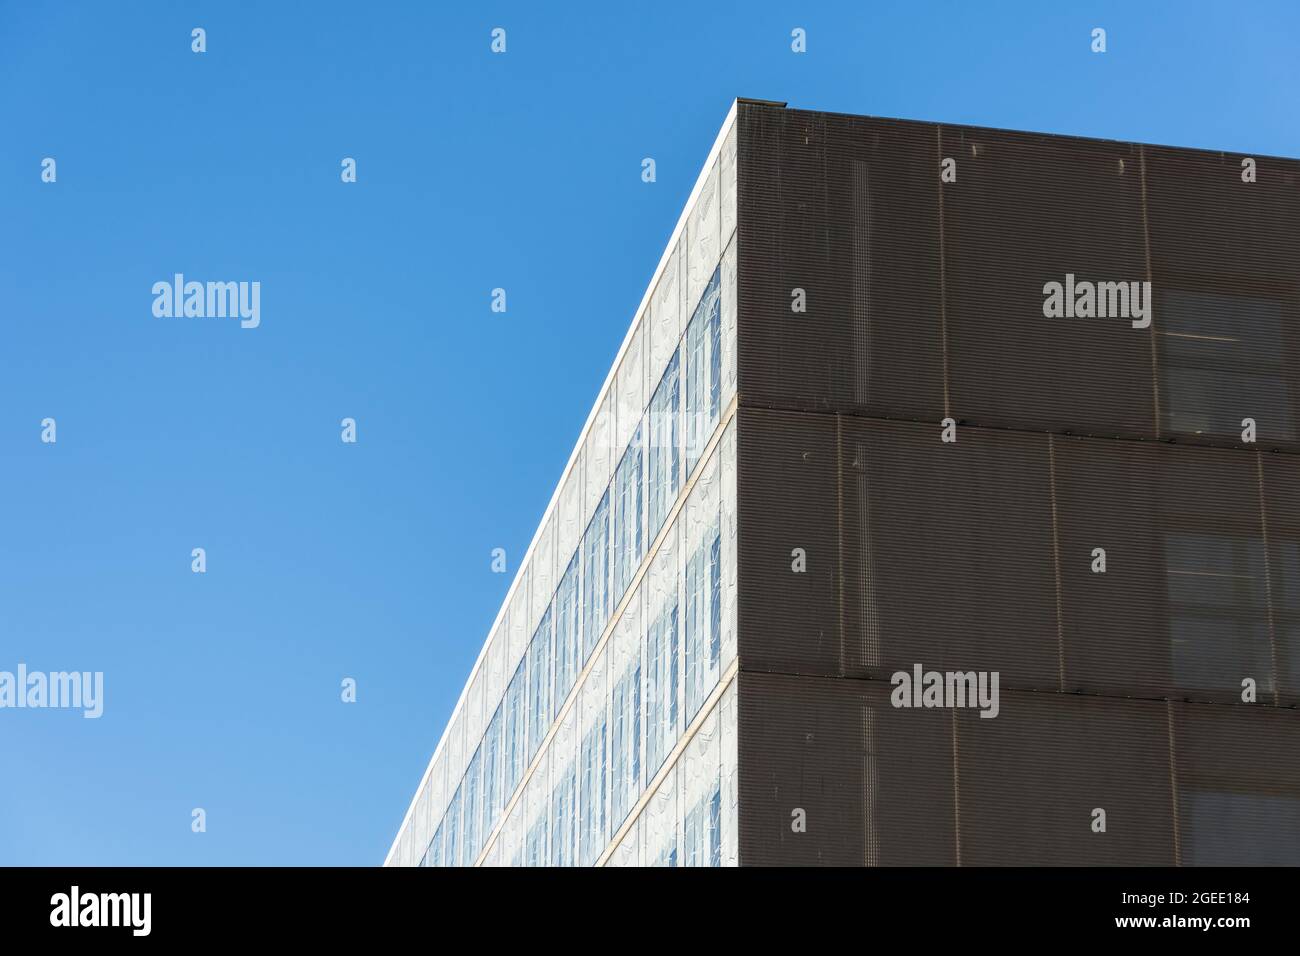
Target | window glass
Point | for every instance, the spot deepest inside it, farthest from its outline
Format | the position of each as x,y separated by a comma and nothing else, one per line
1222,361
492,796
434,856
628,540
664,439
512,736
625,743
567,637
1241,829
451,839
703,371
514,743
703,624
563,817
667,856
661,688
703,836
469,812
539,684
592,834
535,850
1218,611
1286,607
595,577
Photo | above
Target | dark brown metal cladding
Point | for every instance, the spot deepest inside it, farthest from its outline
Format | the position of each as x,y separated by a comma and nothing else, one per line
876,783
1120,690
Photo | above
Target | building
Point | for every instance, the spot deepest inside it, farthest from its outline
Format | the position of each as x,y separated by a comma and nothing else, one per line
1013,415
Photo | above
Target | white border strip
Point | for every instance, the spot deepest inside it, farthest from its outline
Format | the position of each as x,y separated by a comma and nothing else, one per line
714,153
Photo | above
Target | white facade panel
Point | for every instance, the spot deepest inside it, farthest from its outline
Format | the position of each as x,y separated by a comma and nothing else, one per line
727,187
630,389
598,456
703,249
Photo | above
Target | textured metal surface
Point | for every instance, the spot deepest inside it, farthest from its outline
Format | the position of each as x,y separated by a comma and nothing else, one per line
950,554
1179,783
925,298
851,216
868,545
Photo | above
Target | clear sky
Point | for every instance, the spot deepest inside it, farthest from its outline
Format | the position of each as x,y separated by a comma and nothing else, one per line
371,560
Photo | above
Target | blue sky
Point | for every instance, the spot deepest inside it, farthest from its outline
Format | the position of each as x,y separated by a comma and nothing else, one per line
372,561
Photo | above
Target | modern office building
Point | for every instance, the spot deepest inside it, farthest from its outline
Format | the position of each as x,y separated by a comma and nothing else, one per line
942,506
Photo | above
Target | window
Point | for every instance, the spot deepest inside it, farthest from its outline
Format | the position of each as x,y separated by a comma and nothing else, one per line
434,856
703,836
535,851
592,798
512,733
703,620
1223,361
469,812
1241,829
663,437
539,684
451,841
628,541
667,856
595,577
703,371
1286,608
420,824
625,743
493,798
661,688
1218,610
562,818
567,638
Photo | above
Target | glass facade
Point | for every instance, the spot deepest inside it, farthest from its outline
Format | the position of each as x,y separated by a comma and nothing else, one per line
539,685
625,742
703,371
661,690
567,636
665,445
628,513
595,577
703,620
591,729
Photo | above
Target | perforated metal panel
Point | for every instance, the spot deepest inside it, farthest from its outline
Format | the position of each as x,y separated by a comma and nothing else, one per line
1101,533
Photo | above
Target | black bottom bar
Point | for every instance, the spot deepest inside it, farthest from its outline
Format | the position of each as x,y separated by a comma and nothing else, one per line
439,907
